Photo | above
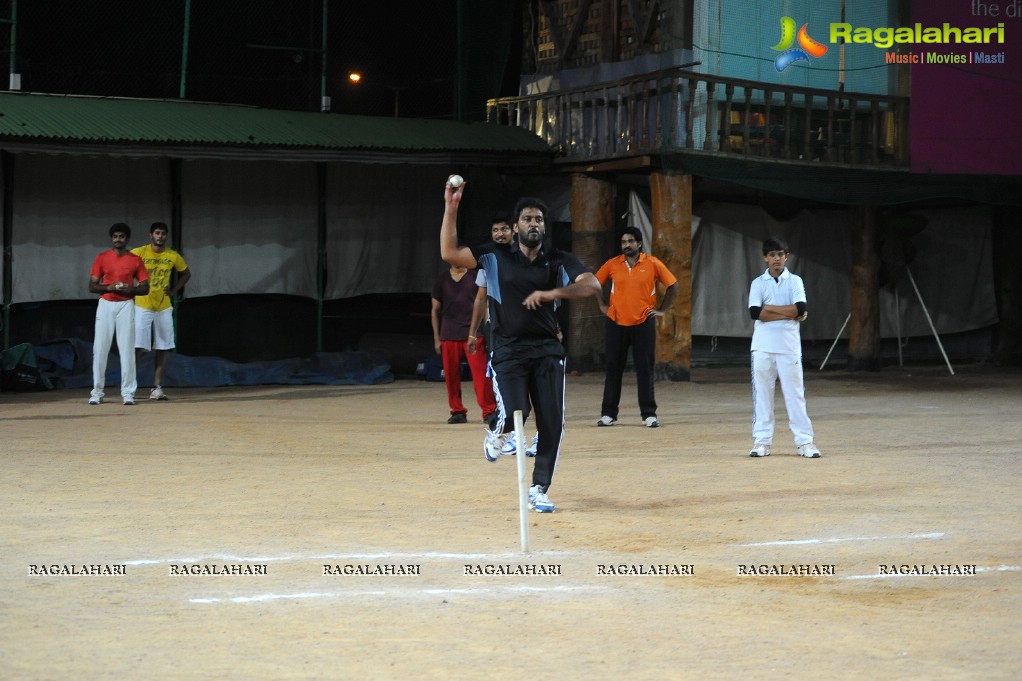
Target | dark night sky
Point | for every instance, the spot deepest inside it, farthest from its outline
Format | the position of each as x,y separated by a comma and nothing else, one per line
133,49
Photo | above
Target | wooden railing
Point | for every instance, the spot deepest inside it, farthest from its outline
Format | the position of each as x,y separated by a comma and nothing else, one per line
675,110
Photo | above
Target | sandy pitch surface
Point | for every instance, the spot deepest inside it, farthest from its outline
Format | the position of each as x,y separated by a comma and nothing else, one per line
920,472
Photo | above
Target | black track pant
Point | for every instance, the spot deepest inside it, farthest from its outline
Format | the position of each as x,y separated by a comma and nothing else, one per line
524,374
641,338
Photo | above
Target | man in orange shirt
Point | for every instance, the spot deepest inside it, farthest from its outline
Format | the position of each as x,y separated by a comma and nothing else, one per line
631,322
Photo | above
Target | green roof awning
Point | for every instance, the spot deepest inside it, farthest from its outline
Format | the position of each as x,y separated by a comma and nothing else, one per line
79,124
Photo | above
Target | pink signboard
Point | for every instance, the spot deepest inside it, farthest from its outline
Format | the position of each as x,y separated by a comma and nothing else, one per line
966,68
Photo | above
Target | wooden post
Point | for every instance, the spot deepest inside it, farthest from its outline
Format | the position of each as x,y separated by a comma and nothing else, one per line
592,219
1007,240
672,242
864,331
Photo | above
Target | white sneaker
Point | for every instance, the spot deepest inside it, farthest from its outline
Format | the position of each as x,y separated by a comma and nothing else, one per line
95,400
651,422
760,450
531,449
492,445
539,501
510,447
157,393
606,421
809,451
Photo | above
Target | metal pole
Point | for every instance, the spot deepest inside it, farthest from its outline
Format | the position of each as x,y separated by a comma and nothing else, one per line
176,220
897,323
184,48
824,362
841,56
7,160
928,320
459,88
14,78
324,101
321,259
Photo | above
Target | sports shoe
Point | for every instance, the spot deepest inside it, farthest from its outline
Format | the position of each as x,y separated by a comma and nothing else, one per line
606,421
129,401
760,450
492,446
510,447
539,501
650,422
455,418
531,449
808,450
95,400
157,393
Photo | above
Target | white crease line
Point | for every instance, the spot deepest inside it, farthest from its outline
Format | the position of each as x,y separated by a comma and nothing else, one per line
835,540
397,593
268,597
518,557
518,589
999,568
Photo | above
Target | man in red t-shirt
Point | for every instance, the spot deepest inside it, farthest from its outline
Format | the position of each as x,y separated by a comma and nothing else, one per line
631,322
118,276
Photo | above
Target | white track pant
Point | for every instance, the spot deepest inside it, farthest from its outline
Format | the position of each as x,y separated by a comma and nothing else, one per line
767,369
114,318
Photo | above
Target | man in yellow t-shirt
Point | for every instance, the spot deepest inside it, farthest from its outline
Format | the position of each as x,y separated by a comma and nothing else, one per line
154,316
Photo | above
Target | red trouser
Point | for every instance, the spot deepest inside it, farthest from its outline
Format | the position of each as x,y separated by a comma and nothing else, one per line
452,352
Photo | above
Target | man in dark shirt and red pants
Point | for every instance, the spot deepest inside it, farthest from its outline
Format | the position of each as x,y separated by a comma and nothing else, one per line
525,281
454,295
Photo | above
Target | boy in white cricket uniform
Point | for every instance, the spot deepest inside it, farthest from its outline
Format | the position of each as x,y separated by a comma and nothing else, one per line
777,303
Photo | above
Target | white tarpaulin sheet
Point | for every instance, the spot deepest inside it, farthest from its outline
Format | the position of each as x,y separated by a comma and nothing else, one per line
250,227
952,268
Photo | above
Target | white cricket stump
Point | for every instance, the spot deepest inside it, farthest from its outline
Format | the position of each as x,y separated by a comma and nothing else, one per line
523,486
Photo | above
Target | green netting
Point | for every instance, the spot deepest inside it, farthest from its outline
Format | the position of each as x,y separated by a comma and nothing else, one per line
266,53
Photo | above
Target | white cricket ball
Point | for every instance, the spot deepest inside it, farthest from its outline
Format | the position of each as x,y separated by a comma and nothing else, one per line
456,181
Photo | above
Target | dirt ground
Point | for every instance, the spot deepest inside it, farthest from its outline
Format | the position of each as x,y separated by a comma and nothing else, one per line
920,473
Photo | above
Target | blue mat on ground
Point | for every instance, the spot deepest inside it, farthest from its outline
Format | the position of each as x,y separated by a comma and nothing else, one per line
68,364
